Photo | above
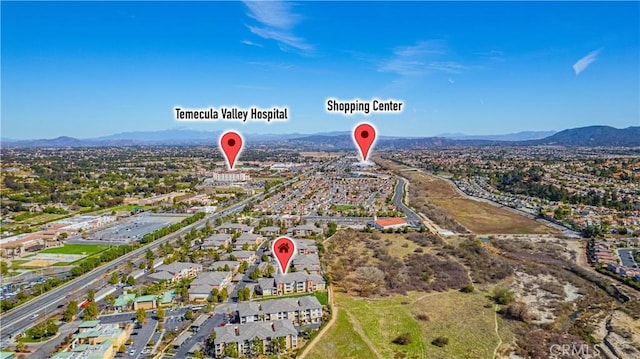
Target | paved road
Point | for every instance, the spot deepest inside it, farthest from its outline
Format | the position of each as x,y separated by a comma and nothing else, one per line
398,193
19,318
200,336
44,350
142,337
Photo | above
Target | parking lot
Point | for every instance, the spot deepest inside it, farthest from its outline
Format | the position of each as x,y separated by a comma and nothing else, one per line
133,228
626,258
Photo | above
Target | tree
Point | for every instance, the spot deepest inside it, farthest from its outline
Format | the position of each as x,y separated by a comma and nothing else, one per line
160,313
255,274
231,350
63,236
223,296
402,339
70,312
52,328
440,341
141,315
257,346
279,344
241,295
20,347
110,299
214,294
264,258
188,315
503,296
131,281
91,311
91,295
149,255
4,268
114,279
270,271
245,247
210,343
369,278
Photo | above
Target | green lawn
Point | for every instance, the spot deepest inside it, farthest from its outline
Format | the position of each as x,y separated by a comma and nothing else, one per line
323,297
124,207
341,341
343,207
87,249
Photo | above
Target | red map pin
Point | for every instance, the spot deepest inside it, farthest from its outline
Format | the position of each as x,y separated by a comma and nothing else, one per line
364,135
284,248
231,144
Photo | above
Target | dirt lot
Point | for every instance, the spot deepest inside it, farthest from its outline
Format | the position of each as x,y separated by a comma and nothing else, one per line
484,218
443,204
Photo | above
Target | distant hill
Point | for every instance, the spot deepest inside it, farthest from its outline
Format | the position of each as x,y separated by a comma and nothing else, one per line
593,136
518,136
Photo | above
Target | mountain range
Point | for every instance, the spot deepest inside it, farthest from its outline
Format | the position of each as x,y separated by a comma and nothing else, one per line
591,136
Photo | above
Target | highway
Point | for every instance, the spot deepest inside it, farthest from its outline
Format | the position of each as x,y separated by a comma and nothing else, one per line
21,317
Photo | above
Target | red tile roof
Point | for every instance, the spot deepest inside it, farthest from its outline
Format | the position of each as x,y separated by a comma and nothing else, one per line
384,222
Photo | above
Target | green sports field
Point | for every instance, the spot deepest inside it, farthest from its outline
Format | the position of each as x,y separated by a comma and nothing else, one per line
86,249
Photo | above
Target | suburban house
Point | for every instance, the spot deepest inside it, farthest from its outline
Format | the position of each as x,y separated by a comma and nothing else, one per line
270,231
296,282
225,266
305,230
250,239
244,256
243,336
175,271
306,247
309,262
299,311
201,287
389,223
266,287
234,228
216,241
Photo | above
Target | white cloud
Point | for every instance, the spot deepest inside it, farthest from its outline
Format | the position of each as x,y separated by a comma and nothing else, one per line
419,60
251,43
584,62
452,81
272,13
277,20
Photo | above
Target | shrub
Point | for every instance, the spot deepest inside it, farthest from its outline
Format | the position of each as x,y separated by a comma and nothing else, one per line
516,311
440,341
503,296
402,339
468,288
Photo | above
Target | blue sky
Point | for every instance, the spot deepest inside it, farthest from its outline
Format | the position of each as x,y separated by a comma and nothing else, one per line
87,69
